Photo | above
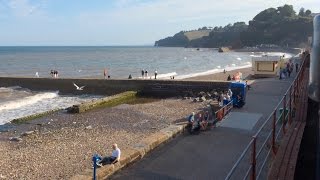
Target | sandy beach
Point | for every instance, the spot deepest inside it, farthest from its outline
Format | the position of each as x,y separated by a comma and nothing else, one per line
66,142
222,76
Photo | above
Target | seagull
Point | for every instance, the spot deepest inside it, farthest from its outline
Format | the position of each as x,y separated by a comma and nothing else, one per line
78,88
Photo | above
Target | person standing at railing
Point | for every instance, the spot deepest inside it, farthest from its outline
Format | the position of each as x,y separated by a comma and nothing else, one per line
230,93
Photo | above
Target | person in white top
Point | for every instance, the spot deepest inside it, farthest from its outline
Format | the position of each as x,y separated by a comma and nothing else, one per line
230,93
115,156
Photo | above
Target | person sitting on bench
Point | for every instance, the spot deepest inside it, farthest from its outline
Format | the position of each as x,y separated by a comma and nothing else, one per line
204,121
114,158
196,124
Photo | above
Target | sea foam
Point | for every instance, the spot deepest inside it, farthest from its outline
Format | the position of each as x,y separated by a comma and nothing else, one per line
37,103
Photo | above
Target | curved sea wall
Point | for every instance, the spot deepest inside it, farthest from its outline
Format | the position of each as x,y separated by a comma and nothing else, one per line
114,86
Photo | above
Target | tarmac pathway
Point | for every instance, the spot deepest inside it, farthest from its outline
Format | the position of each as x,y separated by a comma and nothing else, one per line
211,154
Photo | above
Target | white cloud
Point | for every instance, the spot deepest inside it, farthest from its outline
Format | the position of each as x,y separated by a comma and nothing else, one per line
23,8
179,11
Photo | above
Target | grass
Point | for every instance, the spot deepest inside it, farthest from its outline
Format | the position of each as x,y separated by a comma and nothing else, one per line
25,119
129,97
196,34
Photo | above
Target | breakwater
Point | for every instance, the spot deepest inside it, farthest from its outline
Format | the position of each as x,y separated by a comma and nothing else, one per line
114,86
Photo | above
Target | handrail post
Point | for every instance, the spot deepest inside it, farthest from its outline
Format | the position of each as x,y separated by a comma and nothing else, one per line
295,92
223,112
284,114
290,106
253,159
274,132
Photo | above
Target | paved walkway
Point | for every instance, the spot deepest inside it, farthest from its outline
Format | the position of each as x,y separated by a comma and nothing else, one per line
211,154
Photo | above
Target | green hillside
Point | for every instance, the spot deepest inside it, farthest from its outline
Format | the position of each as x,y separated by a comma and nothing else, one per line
281,26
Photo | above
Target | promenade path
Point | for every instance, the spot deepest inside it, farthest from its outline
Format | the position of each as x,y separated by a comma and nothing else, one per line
211,154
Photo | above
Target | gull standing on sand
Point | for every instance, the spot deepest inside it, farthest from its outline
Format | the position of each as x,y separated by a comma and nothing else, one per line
78,88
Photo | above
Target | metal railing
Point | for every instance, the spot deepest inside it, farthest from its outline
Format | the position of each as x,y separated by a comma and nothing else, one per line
223,111
257,154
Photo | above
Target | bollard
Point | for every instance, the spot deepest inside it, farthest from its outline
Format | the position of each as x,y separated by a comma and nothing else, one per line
94,159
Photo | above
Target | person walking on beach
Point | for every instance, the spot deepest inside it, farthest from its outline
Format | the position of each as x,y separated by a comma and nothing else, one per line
105,73
289,72
297,67
37,74
142,74
146,74
229,78
155,74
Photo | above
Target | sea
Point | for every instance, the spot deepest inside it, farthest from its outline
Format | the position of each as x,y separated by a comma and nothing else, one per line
91,62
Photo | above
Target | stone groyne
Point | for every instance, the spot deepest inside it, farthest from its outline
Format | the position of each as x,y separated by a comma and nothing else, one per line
103,102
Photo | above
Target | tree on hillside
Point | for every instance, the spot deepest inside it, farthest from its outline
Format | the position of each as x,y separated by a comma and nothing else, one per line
301,12
286,11
281,26
307,13
265,15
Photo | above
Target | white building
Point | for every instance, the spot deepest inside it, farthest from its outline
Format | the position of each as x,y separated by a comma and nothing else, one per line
267,66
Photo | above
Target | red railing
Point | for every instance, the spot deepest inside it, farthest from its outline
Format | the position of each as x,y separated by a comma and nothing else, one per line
252,162
223,111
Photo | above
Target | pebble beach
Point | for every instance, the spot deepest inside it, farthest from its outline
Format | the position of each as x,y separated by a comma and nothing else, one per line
64,143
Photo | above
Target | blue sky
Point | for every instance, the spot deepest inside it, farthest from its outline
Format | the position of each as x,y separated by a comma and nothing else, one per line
121,22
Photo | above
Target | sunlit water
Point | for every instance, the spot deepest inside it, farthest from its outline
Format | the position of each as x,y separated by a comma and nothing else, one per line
80,62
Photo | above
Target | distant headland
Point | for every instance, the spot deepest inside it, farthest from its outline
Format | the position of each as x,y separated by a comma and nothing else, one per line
280,26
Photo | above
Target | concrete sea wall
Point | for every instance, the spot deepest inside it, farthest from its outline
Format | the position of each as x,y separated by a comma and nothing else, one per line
114,86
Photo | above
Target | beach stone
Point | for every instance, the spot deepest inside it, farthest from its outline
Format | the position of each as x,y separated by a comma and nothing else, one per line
202,94
89,127
196,99
203,99
2,176
185,98
27,133
17,139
